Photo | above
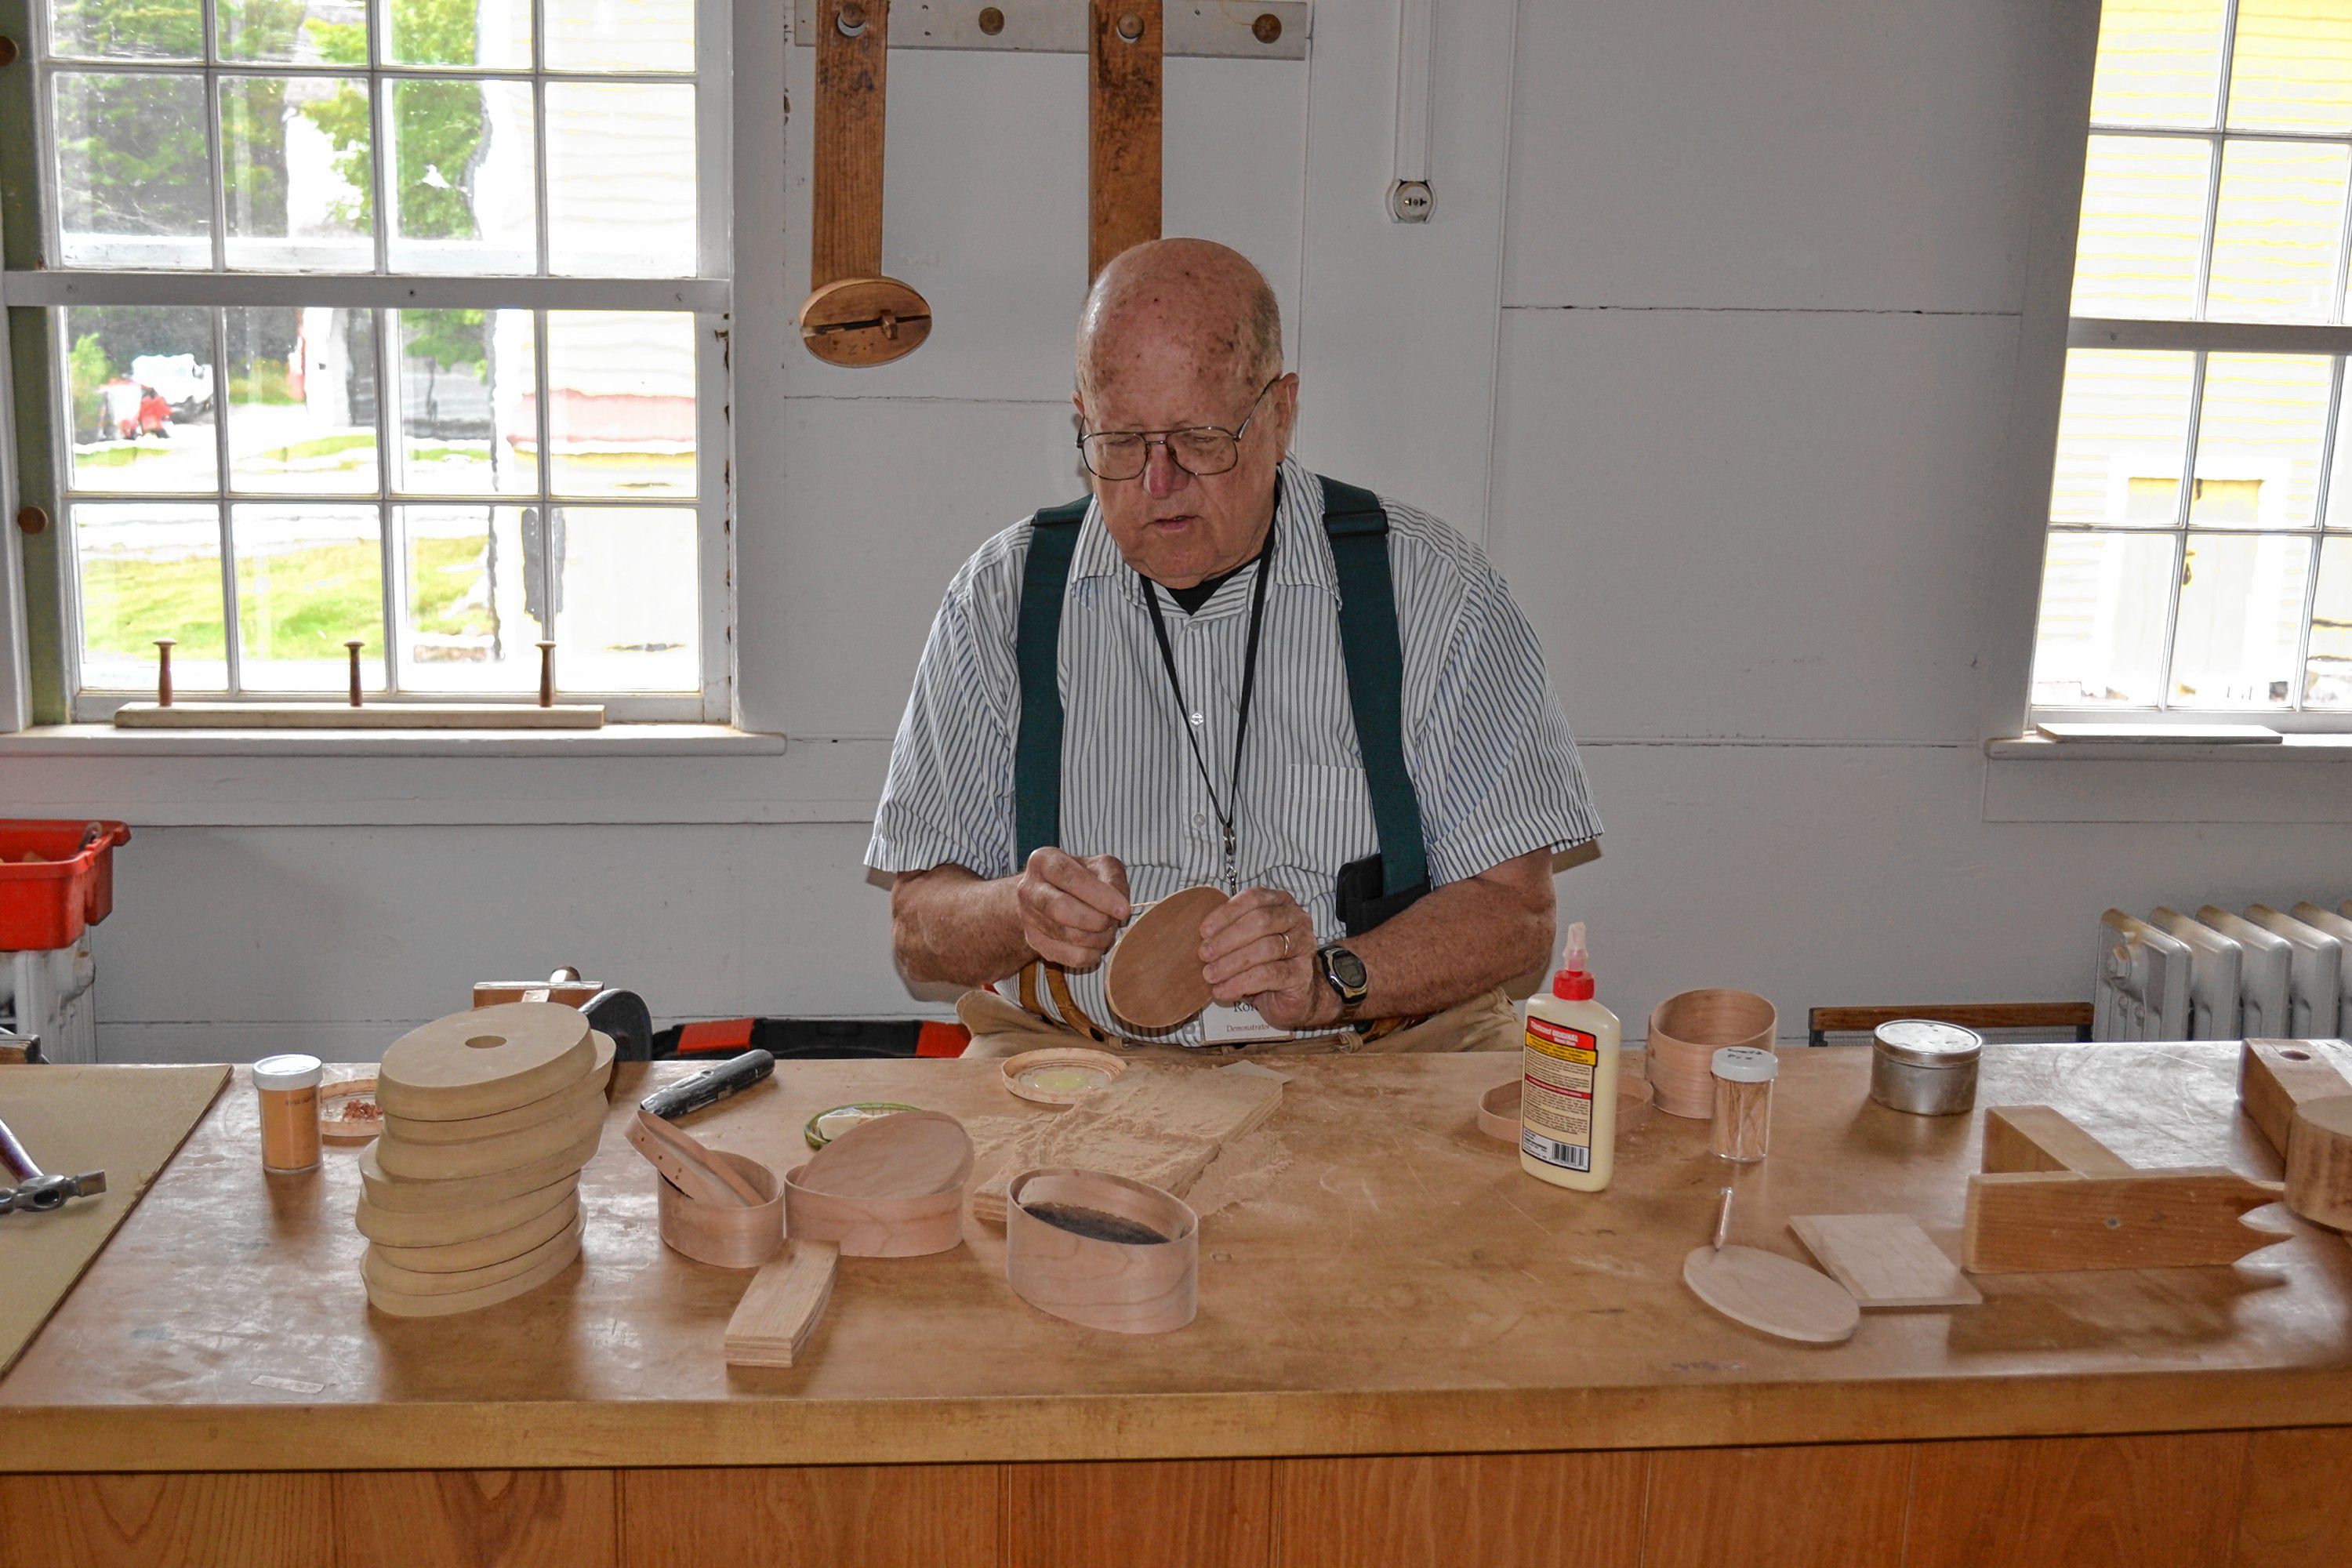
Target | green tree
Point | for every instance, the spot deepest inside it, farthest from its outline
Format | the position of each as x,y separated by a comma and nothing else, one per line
437,126
87,370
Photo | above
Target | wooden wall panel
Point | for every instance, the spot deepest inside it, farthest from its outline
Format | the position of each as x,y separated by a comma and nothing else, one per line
475,1519
1776,1508
1461,1511
1176,1514
2296,1511
188,1520
2078,1502
875,1515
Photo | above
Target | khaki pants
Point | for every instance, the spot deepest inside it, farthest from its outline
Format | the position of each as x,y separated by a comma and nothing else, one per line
1000,1028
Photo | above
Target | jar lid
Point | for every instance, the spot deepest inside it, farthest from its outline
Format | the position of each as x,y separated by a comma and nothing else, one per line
1923,1042
293,1071
1744,1064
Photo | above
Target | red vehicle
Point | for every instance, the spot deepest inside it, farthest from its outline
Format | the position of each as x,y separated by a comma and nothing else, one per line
133,410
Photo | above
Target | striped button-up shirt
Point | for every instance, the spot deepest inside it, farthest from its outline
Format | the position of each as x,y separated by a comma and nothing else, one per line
1487,748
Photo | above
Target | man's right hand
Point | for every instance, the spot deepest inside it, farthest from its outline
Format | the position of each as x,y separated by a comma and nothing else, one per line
1071,910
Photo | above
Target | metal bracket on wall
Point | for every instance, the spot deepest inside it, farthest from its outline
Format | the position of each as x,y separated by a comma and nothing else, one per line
1250,29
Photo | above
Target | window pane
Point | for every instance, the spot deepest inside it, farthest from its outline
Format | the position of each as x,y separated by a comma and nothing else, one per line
298,160
620,179
139,381
2276,233
2123,437
468,389
2327,672
308,577
475,580
620,35
2160,62
2143,227
625,607
621,419
2292,69
302,396
134,181
156,30
149,569
2101,637
2240,610
2258,440
312,32
458,33
463,161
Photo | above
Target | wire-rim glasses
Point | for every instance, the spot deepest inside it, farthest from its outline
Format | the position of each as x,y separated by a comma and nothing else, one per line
1202,451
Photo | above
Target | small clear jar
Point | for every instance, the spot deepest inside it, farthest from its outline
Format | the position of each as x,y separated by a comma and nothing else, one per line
1741,1130
287,1087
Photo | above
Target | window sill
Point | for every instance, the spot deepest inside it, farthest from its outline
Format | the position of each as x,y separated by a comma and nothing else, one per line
610,740
2291,748
2294,780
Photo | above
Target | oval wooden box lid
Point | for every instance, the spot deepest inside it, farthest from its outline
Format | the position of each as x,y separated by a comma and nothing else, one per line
1153,977
484,1061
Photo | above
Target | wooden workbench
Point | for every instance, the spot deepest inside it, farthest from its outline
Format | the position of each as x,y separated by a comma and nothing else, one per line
1407,1351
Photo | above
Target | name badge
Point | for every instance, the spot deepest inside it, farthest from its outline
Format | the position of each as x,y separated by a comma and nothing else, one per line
1222,1024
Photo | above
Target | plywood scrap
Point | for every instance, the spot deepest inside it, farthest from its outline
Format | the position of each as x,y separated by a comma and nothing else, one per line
782,1307
1160,1125
1884,1259
2032,1222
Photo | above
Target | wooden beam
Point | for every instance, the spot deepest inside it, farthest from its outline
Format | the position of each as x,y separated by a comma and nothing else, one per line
1123,106
2024,1223
2037,1138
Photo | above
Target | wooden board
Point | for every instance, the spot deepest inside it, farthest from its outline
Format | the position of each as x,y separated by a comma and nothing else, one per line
1775,1295
484,1060
783,1306
2037,1138
125,1122
1160,1125
1885,1260
1153,978
1123,113
2027,1223
342,716
2275,1076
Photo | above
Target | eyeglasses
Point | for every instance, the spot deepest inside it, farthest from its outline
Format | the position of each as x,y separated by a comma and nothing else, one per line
1202,450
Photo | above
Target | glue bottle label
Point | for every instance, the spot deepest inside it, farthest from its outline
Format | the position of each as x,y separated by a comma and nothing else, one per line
1555,1101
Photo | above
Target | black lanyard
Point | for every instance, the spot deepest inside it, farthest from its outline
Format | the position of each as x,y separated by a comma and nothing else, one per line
1228,807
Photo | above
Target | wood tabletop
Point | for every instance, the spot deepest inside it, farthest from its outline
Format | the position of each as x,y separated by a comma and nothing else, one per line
1376,1276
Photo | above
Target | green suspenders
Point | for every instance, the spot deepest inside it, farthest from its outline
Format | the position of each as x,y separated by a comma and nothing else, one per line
1358,531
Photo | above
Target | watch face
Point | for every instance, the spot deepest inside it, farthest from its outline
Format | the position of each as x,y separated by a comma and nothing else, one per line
1347,970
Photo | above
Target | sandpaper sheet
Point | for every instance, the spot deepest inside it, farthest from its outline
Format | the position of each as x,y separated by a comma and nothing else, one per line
1160,1125
125,1120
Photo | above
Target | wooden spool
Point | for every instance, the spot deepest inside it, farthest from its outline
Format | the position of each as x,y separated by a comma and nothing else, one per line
1060,1075
1153,977
1686,1032
2320,1162
1147,1288
854,315
488,1156
727,1235
564,1104
390,1193
890,1188
484,1061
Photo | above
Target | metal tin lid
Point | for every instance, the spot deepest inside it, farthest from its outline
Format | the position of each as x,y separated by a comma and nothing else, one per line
1744,1064
1922,1042
291,1071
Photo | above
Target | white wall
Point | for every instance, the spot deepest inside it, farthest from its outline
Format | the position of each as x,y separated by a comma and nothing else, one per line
1746,434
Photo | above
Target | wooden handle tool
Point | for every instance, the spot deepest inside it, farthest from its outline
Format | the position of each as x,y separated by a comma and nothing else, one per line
1123,118
854,315
680,1156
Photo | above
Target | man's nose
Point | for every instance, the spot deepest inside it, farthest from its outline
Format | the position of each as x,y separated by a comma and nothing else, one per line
1161,476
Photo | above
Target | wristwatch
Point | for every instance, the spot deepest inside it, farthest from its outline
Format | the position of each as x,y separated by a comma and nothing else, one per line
1344,972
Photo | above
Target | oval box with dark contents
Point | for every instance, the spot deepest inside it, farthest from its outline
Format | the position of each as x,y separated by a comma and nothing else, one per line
1102,1250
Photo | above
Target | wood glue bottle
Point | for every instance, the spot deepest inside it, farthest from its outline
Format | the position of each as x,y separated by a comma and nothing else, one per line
1568,1089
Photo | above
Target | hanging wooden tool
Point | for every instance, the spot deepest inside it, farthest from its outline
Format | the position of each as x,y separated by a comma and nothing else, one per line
854,315
1123,129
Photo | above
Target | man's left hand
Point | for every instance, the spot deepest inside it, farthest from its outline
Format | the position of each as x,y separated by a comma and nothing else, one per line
1260,949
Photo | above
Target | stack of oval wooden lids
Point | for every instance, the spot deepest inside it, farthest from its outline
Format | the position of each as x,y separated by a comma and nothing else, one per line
471,1194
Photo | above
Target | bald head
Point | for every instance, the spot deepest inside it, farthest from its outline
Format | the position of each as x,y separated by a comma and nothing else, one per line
1191,300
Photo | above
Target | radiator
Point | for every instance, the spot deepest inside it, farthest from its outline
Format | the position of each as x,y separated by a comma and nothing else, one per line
2222,974
53,996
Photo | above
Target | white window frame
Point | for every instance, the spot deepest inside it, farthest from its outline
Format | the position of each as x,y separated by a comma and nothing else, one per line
2203,338
708,298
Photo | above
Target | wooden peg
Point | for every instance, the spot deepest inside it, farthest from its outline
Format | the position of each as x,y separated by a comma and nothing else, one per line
164,647
854,315
1123,114
546,674
352,646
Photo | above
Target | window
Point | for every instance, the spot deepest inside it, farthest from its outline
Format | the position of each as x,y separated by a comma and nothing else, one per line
395,322
2200,551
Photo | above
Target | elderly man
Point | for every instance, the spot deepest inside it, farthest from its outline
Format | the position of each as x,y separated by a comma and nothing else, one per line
1225,669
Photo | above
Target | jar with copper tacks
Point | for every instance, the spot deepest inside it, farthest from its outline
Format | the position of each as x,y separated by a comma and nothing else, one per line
287,1087
1742,1128
1924,1068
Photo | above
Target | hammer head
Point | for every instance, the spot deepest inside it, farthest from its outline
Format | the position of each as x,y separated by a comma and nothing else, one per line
45,1193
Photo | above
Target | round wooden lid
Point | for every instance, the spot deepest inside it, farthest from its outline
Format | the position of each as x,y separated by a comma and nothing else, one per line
1778,1295
563,1104
1154,979
521,1150
484,1061
910,1154
403,1194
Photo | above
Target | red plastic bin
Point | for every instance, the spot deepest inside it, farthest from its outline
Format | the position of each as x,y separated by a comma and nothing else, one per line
45,903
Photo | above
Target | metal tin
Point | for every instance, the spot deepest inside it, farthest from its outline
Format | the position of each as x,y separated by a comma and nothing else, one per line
1924,1068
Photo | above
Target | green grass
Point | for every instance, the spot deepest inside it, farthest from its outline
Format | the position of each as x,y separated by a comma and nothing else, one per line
120,457
319,446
